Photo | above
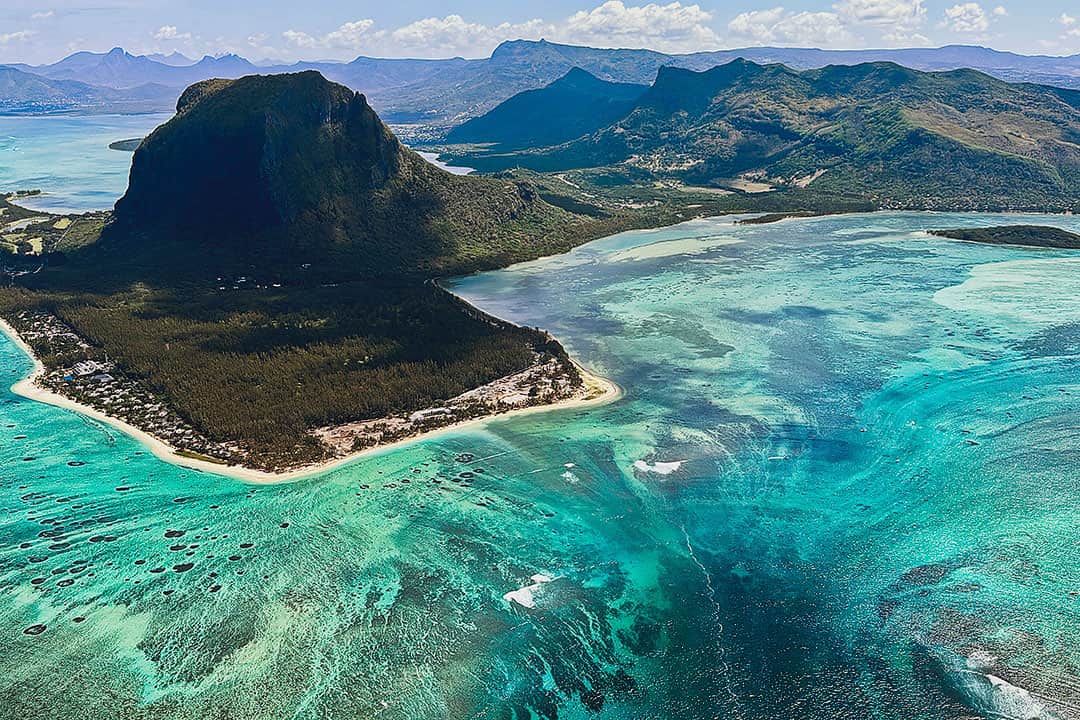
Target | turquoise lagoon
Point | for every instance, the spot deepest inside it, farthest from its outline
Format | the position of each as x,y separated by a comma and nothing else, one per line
68,158
843,482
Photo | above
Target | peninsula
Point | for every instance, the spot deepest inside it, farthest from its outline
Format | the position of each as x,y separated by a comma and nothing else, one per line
261,296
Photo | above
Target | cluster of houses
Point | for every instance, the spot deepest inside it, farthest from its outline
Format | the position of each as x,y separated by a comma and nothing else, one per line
550,380
98,383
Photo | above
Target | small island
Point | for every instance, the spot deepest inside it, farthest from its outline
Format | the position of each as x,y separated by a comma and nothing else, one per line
129,145
1026,235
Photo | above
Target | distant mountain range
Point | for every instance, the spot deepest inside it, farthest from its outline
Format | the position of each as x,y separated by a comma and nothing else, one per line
23,93
900,137
446,92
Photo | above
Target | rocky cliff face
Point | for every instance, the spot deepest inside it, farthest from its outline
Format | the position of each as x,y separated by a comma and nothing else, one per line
293,169
260,153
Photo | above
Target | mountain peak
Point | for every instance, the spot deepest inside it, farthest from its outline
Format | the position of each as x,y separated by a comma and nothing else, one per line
268,169
254,154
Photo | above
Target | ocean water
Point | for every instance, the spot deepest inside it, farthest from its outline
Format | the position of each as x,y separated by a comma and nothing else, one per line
68,158
843,482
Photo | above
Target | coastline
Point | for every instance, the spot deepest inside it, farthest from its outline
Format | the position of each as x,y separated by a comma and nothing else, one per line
608,391
28,388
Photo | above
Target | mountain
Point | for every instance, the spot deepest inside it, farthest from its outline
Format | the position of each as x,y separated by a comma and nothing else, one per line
576,104
114,69
1046,69
446,92
22,93
269,273
176,59
899,136
285,170
520,65
120,69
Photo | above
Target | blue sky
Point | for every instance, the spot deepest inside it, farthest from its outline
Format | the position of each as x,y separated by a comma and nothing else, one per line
47,30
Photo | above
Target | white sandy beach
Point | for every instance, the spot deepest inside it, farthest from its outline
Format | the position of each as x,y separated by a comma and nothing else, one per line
28,388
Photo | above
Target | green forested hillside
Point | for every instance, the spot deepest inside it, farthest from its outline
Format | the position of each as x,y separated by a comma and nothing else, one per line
899,137
574,105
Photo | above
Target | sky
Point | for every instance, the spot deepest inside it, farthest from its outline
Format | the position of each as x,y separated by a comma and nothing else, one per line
288,30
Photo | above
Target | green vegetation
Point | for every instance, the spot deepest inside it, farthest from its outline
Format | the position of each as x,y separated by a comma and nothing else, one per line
266,274
574,105
1030,235
897,137
260,366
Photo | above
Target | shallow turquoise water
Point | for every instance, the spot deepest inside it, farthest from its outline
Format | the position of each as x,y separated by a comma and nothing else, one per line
68,157
875,508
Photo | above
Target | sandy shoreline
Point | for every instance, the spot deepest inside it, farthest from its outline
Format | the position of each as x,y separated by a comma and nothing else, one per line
28,388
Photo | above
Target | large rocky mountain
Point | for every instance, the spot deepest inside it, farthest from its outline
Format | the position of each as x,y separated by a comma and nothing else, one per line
574,105
899,136
449,91
284,171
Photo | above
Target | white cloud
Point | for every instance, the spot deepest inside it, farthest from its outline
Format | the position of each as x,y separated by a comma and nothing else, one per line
43,15
776,25
849,24
898,15
349,35
453,35
17,36
431,36
670,27
1000,11
1072,30
661,27
170,32
758,25
966,17
299,39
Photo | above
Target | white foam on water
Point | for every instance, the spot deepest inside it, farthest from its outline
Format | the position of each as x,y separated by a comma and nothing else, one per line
659,468
526,596
990,694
